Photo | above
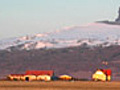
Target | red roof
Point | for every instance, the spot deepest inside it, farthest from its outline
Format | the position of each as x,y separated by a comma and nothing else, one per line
107,71
40,72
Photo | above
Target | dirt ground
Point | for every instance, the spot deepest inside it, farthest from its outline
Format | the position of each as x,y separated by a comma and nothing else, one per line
59,85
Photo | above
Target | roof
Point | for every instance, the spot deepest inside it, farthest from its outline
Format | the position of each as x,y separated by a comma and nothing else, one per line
40,72
106,71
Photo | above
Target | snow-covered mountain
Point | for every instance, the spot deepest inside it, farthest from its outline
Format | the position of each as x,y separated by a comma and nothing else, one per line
94,34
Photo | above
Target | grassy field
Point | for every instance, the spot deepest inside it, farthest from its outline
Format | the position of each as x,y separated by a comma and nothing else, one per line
59,85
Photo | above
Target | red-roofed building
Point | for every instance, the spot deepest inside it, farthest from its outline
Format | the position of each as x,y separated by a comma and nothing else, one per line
32,75
102,75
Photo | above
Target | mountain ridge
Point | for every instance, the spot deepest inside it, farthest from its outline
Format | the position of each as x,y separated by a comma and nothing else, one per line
91,34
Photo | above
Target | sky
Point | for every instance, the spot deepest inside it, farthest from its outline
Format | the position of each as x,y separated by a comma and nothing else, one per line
28,17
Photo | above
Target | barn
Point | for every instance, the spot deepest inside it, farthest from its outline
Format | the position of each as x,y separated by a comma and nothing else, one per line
32,75
102,75
65,77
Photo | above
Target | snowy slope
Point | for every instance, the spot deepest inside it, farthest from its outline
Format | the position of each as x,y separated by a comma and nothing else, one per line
91,34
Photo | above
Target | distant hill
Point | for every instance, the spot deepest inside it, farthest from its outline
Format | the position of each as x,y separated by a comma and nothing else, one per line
79,62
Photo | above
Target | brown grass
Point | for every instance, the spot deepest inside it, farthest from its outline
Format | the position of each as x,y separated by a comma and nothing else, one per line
59,85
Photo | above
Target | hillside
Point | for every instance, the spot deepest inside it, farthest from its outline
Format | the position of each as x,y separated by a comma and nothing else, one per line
80,62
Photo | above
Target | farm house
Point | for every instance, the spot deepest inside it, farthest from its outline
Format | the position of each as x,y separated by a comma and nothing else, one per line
102,75
33,75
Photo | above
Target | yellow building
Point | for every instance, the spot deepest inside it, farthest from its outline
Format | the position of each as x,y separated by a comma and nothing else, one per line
15,77
65,77
99,76
28,78
102,75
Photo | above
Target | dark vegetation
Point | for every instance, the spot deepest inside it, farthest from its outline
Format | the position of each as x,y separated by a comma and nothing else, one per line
79,62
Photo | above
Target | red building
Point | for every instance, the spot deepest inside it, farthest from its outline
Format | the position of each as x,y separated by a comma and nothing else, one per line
108,72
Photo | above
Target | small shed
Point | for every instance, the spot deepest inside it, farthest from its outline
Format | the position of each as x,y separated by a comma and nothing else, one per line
65,77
